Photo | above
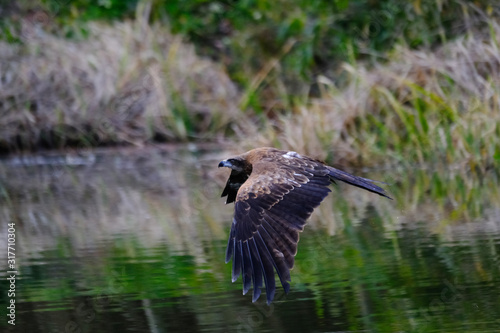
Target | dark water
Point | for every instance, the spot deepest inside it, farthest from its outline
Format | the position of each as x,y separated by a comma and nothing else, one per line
134,241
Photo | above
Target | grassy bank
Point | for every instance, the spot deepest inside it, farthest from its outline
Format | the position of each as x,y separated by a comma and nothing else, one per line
126,83
135,83
421,107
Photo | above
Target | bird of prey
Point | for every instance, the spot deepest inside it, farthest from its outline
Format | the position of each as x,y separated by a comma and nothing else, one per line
274,192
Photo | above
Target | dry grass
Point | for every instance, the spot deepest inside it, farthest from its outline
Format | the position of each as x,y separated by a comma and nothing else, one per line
126,83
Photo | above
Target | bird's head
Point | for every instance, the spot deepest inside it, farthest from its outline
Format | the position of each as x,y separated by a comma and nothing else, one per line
237,164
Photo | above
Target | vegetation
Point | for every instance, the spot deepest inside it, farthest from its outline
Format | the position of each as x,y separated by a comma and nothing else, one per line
124,83
318,77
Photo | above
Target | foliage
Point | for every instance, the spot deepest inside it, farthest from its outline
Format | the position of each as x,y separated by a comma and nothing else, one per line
246,35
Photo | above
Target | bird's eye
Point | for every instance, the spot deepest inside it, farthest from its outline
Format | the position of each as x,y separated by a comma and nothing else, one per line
234,162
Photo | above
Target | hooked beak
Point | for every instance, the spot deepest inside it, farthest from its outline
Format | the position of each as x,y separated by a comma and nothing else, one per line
225,163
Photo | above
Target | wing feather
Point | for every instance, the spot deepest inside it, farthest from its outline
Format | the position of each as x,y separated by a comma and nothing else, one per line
230,245
267,267
247,267
237,260
282,241
277,260
257,268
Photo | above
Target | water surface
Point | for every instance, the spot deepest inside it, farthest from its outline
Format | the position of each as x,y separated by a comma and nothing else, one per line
133,240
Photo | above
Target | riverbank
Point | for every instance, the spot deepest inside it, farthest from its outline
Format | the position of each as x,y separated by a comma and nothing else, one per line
133,83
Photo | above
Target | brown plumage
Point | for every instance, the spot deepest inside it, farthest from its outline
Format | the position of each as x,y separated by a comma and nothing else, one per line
275,192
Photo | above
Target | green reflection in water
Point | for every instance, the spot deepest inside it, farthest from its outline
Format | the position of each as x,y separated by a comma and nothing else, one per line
354,281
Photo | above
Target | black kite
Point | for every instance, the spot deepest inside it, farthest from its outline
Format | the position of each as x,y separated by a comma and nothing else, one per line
275,192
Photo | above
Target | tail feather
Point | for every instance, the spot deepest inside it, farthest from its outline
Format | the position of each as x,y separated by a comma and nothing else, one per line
364,183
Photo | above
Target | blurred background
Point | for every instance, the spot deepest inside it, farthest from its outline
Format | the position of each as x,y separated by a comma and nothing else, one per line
115,114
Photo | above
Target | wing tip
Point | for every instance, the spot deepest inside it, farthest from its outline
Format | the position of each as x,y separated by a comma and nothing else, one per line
229,256
270,296
286,287
256,294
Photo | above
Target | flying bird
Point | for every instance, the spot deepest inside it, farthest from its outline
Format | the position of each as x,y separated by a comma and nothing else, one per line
274,192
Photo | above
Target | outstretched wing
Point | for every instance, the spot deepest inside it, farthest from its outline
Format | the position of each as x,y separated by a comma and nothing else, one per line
271,208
